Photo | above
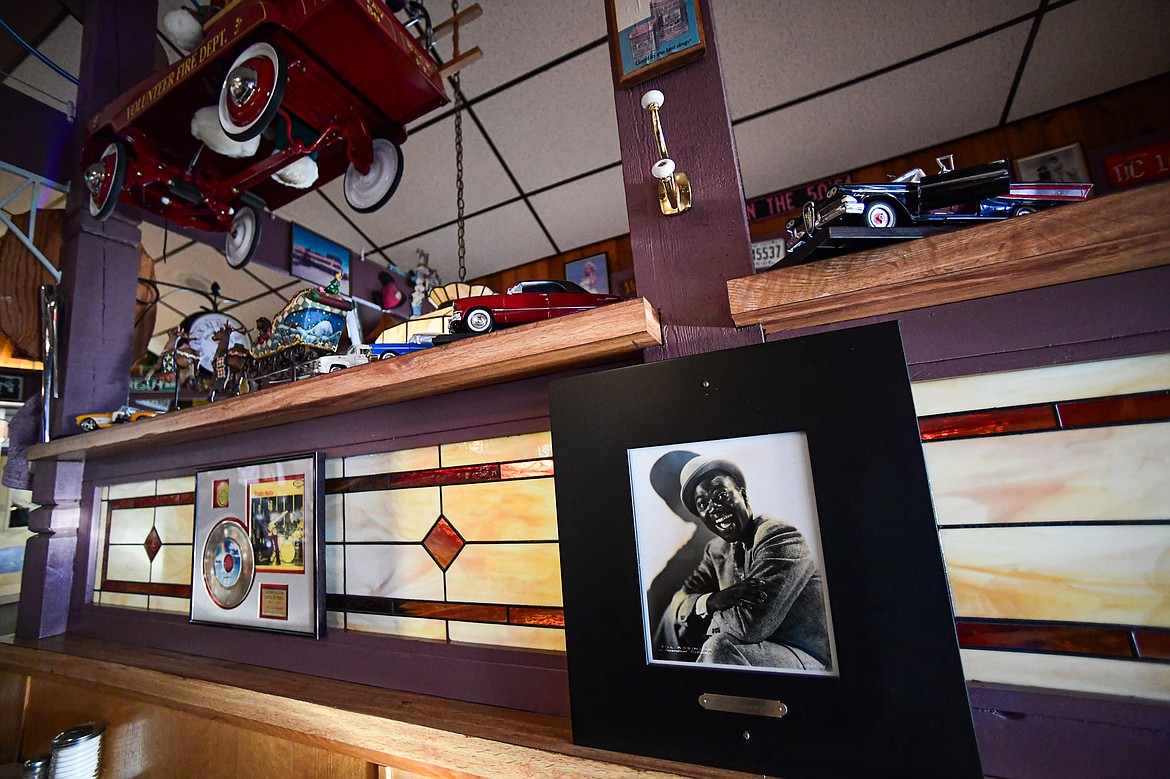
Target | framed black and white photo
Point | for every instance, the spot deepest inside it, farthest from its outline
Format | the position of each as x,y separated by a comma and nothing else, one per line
259,537
1066,164
673,543
751,569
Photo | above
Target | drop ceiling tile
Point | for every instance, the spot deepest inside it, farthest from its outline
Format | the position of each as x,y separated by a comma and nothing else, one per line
519,36
772,53
1092,46
32,77
557,124
499,239
314,211
155,239
270,277
426,196
883,117
199,266
585,210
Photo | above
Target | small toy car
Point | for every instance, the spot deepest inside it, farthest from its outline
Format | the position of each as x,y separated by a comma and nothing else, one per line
528,301
967,196
124,414
281,97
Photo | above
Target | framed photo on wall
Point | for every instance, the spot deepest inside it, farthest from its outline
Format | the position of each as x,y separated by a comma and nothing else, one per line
1066,164
650,37
751,568
318,260
592,273
259,541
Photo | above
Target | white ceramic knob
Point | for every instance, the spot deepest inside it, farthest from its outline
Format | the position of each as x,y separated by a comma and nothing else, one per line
653,97
663,169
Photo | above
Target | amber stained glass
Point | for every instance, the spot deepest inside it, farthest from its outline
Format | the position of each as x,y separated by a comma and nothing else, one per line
1007,420
1152,644
526,470
443,543
1115,411
526,615
433,478
468,612
1064,639
150,501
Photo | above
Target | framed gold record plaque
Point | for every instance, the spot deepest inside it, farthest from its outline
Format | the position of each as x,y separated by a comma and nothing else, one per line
258,546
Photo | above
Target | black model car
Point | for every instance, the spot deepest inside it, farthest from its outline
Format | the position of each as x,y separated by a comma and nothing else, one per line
952,198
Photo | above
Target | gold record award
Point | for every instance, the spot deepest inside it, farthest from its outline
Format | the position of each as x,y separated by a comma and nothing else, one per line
228,566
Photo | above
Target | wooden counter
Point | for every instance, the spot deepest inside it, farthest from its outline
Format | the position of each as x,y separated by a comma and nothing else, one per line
413,733
1100,237
606,334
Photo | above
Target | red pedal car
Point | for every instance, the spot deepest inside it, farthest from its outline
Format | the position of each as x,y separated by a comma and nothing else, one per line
274,82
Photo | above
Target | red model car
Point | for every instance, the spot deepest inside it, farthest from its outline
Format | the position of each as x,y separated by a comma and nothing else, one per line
335,81
528,301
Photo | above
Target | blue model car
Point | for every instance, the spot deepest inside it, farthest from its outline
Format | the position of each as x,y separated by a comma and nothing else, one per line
966,196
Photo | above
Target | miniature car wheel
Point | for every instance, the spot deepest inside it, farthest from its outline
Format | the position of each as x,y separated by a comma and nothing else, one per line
251,93
832,193
388,355
880,214
479,320
366,192
1023,211
89,423
243,238
335,368
104,180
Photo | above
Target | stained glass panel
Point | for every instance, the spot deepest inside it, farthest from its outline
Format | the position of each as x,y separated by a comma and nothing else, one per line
1013,420
520,574
391,515
498,450
503,511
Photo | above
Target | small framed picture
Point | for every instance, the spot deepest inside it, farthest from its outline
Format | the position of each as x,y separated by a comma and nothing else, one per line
258,546
650,37
1066,164
318,260
592,273
11,388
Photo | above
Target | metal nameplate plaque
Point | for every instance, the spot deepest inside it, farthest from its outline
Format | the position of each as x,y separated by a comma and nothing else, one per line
756,707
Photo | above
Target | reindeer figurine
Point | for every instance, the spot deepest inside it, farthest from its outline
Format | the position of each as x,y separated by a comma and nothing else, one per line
176,362
230,362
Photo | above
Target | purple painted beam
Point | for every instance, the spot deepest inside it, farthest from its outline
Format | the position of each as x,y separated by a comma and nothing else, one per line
683,262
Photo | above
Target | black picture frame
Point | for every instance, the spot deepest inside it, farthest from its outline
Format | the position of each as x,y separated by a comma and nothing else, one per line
897,705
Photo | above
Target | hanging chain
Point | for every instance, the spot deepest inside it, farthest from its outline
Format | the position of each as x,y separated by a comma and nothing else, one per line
458,147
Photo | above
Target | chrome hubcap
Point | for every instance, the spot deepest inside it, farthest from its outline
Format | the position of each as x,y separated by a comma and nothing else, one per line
95,176
242,84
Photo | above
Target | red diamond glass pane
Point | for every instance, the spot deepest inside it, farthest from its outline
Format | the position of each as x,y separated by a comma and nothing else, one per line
443,543
152,543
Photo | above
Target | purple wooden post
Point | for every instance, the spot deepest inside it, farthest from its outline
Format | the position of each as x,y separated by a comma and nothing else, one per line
683,262
99,278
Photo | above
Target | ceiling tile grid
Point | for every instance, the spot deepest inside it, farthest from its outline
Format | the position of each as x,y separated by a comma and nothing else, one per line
1093,46
37,80
772,53
602,196
911,108
557,124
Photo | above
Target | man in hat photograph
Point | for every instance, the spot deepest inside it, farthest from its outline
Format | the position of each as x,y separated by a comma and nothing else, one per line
756,596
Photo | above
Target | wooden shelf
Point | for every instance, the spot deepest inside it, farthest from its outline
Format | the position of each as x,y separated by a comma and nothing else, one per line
416,733
610,333
1100,237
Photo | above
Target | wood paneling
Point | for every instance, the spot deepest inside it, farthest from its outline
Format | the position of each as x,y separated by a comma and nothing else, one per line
12,692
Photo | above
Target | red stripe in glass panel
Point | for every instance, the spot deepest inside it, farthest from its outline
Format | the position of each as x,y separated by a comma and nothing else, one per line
526,470
1115,411
527,615
1067,639
150,501
143,588
1152,644
439,477
468,612
1004,420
